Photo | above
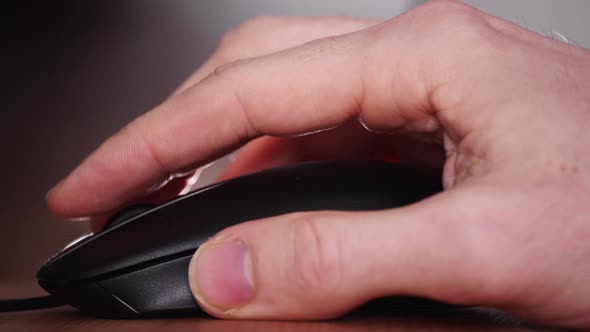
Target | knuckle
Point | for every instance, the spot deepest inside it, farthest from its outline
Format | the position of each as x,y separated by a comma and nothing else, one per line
233,73
457,19
466,37
447,8
443,20
316,255
464,30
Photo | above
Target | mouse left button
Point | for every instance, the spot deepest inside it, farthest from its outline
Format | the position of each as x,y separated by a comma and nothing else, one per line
127,214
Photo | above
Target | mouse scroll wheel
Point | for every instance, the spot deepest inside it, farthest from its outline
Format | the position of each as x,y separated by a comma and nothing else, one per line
126,214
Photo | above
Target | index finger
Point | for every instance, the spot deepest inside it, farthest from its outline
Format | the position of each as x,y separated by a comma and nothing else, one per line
316,86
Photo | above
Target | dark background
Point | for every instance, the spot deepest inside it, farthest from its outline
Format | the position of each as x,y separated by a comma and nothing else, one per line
75,72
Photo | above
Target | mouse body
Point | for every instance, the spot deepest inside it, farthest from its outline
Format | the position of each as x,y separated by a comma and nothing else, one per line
138,267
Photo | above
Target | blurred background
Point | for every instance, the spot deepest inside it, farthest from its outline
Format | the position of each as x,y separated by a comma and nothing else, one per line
76,72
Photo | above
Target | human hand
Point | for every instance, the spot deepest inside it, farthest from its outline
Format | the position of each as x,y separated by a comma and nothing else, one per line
511,230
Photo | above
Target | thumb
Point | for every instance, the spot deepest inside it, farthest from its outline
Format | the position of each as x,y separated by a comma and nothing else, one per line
322,264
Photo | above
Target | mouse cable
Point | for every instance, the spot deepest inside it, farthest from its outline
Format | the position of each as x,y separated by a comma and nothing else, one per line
33,303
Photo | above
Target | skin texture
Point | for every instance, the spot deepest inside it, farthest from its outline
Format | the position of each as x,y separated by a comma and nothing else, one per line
502,113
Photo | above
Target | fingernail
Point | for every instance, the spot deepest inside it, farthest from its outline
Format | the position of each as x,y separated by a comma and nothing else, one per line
220,274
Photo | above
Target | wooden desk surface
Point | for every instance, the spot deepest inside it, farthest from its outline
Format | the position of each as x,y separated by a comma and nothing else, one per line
68,319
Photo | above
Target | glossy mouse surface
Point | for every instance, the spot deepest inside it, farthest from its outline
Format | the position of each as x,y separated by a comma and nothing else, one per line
139,266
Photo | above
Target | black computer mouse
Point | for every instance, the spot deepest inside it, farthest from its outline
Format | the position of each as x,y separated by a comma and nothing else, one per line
138,266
